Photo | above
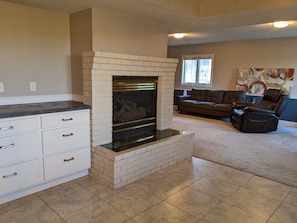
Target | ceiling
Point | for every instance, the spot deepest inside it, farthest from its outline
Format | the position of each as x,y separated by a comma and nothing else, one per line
203,21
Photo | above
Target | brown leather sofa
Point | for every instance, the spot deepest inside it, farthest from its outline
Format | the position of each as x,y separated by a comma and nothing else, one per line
210,102
261,118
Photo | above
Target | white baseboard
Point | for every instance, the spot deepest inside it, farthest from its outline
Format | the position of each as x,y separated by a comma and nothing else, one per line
39,99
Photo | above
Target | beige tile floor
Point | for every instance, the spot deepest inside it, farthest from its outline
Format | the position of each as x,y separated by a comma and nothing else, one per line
193,191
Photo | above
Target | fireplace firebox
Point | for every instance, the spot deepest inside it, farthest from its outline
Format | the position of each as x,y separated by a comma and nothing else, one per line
134,110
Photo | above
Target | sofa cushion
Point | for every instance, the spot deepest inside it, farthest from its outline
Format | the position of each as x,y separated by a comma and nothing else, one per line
214,96
198,94
223,107
233,96
189,103
205,105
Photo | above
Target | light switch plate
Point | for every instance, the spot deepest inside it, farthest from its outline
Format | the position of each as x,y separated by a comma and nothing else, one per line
1,87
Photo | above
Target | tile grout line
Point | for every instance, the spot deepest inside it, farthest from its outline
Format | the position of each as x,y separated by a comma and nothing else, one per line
50,207
280,204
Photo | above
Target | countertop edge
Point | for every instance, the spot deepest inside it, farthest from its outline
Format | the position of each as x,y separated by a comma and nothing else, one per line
18,110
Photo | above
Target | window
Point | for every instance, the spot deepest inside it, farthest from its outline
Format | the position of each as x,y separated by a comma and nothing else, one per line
197,69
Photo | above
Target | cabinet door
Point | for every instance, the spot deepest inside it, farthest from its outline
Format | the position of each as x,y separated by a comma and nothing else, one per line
65,119
19,148
63,139
12,126
66,163
20,176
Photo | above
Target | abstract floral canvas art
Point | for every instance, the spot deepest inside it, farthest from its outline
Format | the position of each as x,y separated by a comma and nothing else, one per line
255,81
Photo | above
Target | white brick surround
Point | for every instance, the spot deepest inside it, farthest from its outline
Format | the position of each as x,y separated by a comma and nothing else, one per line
119,169
98,70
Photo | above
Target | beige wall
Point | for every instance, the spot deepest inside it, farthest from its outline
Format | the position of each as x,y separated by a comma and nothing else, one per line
45,47
81,40
113,32
99,29
34,46
229,56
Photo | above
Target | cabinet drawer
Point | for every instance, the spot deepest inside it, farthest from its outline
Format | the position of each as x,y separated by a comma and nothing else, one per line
19,176
13,126
19,148
69,138
66,163
64,119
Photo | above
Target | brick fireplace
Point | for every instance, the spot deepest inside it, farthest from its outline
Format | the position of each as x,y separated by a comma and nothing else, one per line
99,68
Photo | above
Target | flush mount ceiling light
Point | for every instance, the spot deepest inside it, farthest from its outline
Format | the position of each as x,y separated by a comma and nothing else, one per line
280,24
178,35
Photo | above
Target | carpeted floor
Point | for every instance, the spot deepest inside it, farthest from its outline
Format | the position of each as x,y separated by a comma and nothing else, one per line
271,155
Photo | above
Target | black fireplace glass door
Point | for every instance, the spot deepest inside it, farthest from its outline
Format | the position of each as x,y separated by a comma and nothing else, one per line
133,105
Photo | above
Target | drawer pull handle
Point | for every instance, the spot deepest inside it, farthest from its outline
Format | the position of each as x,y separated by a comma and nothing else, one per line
7,146
66,135
6,128
10,175
67,119
67,160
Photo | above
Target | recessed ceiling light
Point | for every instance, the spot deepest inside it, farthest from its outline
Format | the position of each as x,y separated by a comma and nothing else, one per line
178,35
280,24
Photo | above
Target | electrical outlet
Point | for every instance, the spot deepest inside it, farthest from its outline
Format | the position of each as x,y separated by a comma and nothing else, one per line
1,87
32,86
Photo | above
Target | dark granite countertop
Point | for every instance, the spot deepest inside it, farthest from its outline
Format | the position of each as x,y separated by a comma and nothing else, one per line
8,111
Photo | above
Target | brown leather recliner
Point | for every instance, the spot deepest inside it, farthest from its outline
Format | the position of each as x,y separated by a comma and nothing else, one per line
248,117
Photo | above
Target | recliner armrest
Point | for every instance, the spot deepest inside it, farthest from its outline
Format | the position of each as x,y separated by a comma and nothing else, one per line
242,104
258,110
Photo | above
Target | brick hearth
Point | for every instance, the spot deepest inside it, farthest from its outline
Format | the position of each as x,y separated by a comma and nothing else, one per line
98,70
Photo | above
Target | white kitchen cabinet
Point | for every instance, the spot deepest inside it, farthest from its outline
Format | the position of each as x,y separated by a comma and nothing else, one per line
66,163
67,138
20,151
20,176
18,148
65,119
66,143
43,150
12,126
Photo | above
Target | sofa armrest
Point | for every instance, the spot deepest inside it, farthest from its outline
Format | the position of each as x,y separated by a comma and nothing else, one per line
258,110
184,97
180,98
